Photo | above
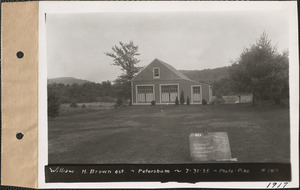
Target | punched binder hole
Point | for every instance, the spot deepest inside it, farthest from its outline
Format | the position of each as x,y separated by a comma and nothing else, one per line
20,54
19,136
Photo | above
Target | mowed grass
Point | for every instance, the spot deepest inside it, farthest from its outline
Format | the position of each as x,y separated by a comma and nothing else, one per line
160,134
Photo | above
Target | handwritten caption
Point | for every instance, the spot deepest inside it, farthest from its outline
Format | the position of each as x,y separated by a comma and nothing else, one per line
191,173
276,185
93,171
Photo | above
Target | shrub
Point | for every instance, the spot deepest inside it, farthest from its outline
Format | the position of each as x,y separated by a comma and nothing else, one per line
221,100
153,103
119,103
83,106
204,102
219,96
73,105
187,100
182,98
218,100
126,102
176,101
215,101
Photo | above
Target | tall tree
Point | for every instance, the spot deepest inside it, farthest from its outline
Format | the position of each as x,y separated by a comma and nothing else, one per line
182,98
262,71
124,56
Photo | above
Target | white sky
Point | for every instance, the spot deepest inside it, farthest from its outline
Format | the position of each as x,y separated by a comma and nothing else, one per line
188,41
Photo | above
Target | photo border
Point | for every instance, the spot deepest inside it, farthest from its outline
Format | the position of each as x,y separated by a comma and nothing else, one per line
163,6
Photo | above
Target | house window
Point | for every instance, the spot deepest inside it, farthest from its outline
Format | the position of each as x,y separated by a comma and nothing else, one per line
145,94
156,73
196,94
169,93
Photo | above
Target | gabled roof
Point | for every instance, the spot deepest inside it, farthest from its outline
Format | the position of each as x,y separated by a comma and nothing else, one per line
182,76
171,68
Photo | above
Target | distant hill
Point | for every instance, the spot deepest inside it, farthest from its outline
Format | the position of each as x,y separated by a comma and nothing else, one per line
67,80
207,75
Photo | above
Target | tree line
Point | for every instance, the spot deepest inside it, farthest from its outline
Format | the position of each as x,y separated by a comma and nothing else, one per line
88,92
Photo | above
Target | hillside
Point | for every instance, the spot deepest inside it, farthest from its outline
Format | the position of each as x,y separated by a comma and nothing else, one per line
67,80
207,75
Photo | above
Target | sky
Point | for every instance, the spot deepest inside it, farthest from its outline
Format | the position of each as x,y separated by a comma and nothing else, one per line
188,40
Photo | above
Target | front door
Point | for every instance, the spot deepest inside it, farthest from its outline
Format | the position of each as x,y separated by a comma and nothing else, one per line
169,93
196,94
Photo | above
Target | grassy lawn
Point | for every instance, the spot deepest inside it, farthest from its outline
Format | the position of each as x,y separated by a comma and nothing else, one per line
160,134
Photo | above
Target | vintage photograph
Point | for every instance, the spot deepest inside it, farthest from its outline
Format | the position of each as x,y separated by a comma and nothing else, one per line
168,87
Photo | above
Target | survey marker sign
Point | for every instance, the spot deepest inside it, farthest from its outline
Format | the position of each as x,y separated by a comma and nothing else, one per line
211,146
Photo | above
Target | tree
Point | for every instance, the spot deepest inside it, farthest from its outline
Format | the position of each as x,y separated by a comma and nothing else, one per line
176,101
53,102
262,71
182,98
124,56
106,88
187,100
